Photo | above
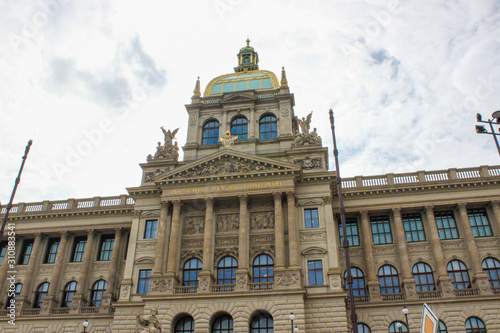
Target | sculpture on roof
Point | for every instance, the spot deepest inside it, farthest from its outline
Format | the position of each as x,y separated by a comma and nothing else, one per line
228,140
169,150
305,136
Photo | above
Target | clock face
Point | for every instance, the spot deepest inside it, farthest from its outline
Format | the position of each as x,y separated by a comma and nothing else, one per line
246,60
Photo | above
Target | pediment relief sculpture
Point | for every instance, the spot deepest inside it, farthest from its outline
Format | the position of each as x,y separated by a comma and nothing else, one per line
262,220
194,225
227,223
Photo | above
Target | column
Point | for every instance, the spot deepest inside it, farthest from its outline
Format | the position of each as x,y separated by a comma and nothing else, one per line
174,243
408,280
206,277
242,277
253,133
223,124
444,279
495,206
479,277
23,300
334,272
373,283
293,232
126,283
279,231
50,301
3,273
161,239
110,294
80,298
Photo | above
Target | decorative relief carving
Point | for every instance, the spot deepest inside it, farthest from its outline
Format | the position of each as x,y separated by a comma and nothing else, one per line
261,220
305,137
419,247
487,242
101,266
226,165
227,223
192,243
262,239
145,246
334,281
230,251
161,285
327,200
307,163
191,254
194,225
285,110
455,244
226,240
312,236
193,120
268,249
287,279
241,280
388,249
149,176
124,292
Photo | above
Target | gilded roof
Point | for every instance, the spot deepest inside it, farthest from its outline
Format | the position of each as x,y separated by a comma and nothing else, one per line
241,81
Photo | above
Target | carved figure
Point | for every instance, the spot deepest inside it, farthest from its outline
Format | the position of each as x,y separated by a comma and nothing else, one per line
228,140
305,123
149,324
169,136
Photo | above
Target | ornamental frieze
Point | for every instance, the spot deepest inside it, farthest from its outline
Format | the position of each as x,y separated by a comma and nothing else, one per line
161,285
487,242
261,220
226,240
192,243
262,239
101,266
194,225
149,176
385,249
226,165
307,163
227,223
312,236
191,254
146,246
287,279
452,244
267,249
419,247
230,251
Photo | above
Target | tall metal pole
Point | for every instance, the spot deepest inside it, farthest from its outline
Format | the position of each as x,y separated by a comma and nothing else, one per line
345,242
18,179
494,135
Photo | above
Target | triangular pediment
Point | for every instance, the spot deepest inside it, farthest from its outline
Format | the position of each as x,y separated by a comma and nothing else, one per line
228,163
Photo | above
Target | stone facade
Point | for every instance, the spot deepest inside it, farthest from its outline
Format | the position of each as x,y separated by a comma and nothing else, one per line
254,198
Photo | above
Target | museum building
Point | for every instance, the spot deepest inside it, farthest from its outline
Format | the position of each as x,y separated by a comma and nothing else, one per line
243,235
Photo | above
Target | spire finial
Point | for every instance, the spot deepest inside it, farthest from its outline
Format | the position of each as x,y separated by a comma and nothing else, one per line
248,41
197,91
284,81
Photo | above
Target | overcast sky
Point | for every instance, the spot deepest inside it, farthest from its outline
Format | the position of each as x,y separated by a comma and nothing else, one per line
91,82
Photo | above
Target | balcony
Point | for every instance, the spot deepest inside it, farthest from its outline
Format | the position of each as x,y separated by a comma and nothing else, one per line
182,290
30,312
496,290
222,288
393,297
92,309
429,294
260,286
466,292
59,311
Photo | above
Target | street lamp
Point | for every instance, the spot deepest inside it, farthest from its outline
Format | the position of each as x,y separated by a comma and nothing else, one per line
399,326
85,325
480,129
292,317
405,312
296,329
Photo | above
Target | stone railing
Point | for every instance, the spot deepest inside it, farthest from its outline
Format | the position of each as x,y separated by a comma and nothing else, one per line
59,311
30,312
260,286
466,292
186,290
496,290
48,206
92,309
393,297
421,177
222,288
429,294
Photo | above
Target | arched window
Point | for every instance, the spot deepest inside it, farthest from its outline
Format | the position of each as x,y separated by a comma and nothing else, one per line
394,327
239,127
389,280
210,133
459,275
475,325
69,291
223,324
262,323
263,269
424,280
192,270
442,327
226,270
268,127
491,266
363,328
184,325
98,289
41,292
358,281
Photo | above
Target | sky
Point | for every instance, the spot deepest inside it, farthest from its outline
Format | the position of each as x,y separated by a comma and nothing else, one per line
91,82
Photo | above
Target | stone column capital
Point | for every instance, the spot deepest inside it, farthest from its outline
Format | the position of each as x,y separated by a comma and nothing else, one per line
396,211
363,214
118,230
277,195
327,200
290,195
429,210
91,232
177,203
462,207
495,204
243,198
209,201
164,203
137,213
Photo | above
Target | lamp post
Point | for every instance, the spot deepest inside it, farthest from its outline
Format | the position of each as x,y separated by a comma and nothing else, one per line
405,312
85,325
296,329
480,129
399,326
292,317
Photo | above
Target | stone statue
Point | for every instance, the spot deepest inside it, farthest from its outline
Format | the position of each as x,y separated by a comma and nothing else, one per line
228,140
169,136
305,123
149,324
305,137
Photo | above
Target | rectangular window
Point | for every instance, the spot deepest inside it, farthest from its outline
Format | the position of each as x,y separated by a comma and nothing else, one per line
445,222
143,283
311,218
351,226
26,252
381,229
315,270
50,257
3,251
414,228
479,223
150,229
106,248
79,249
